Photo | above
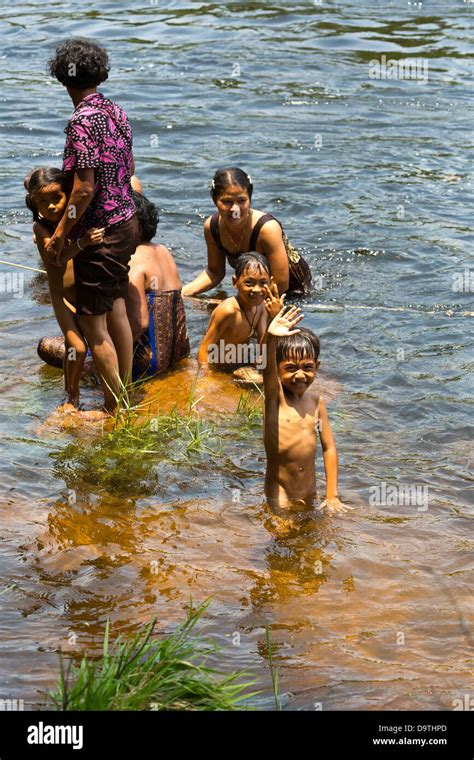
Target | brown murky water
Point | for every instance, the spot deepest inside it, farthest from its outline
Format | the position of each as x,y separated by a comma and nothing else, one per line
357,605
370,610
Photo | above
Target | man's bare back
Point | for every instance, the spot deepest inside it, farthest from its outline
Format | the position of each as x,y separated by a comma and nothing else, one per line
157,265
152,267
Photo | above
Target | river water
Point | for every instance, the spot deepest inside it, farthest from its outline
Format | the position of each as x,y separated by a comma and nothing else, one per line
372,180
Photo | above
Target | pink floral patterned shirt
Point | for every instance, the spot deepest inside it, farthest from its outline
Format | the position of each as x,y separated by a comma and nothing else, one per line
99,136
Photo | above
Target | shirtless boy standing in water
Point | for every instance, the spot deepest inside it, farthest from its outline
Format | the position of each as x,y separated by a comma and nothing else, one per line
294,413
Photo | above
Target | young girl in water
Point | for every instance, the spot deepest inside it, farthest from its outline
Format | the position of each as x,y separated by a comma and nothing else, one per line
47,198
236,228
154,304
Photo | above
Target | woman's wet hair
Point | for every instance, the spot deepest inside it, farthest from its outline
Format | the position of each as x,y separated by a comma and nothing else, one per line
147,214
224,178
37,180
80,63
304,344
252,260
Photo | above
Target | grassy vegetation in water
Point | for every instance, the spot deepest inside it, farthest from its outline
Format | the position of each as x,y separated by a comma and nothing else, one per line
126,459
273,670
147,673
249,409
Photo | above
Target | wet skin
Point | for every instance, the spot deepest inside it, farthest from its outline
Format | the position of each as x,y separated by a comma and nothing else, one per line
231,321
291,439
236,221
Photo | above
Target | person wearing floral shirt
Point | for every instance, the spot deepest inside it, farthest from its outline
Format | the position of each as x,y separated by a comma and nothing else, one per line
98,161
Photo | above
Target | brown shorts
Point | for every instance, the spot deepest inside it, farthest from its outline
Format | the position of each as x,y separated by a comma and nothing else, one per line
101,271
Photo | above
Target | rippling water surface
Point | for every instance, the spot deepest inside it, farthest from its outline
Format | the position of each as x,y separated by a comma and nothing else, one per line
372,179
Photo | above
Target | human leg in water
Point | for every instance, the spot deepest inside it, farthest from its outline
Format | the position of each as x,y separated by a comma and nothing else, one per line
94,327
120,331
74,357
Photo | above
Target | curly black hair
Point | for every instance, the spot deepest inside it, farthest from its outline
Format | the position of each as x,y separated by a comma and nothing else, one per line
80,63
147,214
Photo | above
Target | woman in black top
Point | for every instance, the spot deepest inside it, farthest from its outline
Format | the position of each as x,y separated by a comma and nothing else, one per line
236,228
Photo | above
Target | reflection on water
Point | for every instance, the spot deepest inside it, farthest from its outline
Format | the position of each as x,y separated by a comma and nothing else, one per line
367,610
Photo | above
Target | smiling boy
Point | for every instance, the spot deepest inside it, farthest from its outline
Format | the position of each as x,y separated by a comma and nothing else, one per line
239,318
294,413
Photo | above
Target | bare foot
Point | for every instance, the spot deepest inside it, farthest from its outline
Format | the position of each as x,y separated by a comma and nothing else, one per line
247,376
66,408
67,417
93,414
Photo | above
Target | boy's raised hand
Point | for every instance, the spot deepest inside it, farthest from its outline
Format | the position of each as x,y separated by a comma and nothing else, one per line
273,301
285,321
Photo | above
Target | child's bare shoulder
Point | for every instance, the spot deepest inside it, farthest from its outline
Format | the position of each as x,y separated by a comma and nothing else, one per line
320,404
225,312
40,230
312,399
159,249
228,307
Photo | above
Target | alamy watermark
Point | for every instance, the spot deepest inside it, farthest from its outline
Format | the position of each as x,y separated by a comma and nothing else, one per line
8,705
464,703
237,353
402,68
385,495
42,733
12,282
463,282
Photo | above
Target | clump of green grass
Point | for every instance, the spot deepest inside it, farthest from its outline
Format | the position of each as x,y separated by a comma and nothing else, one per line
146,433
274,672
149,673
128,457
249,411
125,410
